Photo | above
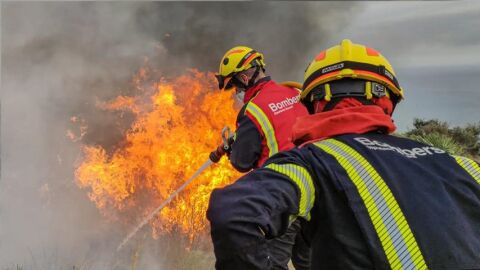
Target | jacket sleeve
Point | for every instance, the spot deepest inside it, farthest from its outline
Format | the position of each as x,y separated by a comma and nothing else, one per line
247,147
243,216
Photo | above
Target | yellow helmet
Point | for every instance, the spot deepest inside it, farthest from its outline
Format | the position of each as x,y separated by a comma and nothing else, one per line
353,61
235,60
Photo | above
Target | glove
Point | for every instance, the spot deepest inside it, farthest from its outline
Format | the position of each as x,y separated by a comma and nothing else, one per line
230,142
222,149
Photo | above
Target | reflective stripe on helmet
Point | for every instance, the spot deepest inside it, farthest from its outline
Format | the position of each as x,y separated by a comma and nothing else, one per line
378,70
470,166
388,220
266,127
302,179
248,57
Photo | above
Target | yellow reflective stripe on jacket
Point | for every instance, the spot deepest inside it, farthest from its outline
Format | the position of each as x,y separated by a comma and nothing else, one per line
266,126
304,182
470,166
396,237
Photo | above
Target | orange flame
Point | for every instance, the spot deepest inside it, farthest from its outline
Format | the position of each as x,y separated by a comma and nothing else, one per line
176,125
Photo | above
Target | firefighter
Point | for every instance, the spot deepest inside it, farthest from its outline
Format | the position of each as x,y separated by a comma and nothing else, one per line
265,121
372,200
263,128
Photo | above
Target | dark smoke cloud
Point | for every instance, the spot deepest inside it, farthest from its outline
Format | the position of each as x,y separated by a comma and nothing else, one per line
58,59
198,34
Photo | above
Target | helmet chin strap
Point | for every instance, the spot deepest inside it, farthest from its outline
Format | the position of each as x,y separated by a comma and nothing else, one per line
251,81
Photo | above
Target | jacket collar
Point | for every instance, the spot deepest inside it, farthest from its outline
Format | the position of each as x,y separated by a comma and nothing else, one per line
352,120
252,91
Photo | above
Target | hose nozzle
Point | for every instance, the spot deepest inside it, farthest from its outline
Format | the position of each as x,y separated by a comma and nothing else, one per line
222,149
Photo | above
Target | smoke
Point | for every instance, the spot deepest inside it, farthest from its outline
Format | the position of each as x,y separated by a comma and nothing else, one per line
59,59
198,34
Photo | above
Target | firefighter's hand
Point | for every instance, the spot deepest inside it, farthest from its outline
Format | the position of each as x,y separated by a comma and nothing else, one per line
223,149
228,149
230,142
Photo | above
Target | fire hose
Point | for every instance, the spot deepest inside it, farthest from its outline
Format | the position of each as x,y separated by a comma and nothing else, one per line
214,157
292,84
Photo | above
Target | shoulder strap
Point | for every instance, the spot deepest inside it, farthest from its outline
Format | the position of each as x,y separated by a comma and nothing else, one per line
267,129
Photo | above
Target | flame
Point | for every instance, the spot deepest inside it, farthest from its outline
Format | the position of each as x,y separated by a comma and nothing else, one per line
176,125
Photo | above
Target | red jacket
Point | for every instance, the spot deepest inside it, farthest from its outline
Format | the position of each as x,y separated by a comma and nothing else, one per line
264,124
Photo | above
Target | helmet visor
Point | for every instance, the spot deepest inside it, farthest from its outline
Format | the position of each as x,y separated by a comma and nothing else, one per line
225,83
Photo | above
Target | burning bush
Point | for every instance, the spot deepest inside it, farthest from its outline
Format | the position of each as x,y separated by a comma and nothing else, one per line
176,123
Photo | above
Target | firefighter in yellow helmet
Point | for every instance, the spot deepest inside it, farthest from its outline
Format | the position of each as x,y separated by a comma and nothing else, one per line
372,200
237,60
263,128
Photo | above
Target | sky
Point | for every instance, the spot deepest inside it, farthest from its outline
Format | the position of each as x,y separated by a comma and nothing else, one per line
58,59
434,48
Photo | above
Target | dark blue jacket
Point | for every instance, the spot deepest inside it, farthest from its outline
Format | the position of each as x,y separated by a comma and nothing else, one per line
372,201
